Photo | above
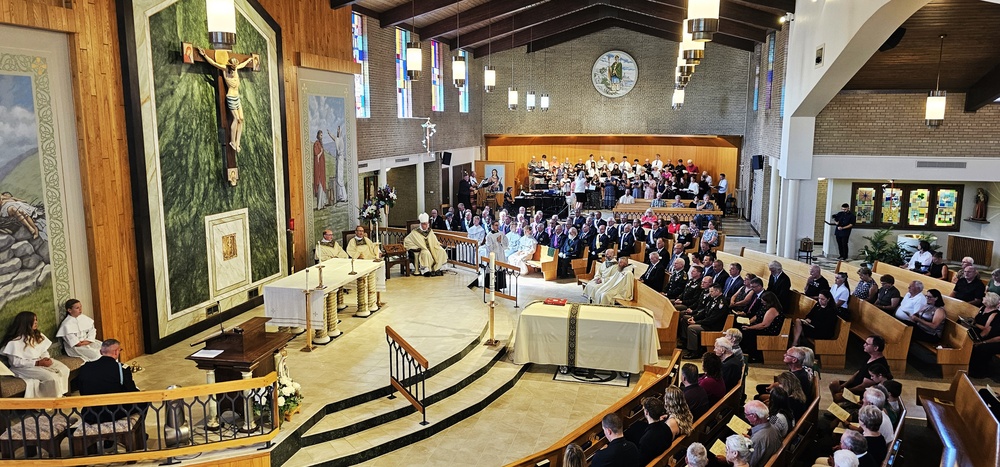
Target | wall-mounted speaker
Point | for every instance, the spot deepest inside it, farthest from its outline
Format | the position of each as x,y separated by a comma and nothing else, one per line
446,158
757,162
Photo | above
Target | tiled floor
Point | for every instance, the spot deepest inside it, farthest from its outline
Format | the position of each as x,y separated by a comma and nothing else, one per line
440,316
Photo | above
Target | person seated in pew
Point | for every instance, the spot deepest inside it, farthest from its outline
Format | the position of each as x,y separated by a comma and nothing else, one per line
991,302
938,269
658,231
920,262
874,345
710,317
684,238
621,284
655,437
735,336
711,380
841,293
887,297
78,333
709,239
690,297
766,322
819,323
874,398
984,350
27,352
992,285
695,396
653,277
928,322
744,296
779,284
970,288
780,412
854,442
866,289
732,366
794,357
912,302
738,450
966,262
574,456
698,456
714,268
570,249
815,283
661,249
678,417
732,282
705,288
676,281
763,436
845,458
618,452
893,406
679,254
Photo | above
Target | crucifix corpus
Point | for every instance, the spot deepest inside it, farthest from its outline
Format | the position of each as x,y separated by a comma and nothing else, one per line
227,89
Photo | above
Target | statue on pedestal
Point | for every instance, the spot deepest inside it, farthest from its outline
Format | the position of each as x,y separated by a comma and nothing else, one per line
982,198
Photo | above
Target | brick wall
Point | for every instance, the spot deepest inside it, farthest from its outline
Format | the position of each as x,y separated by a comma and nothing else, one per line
763,133
879,123
715,100
403,179
385,135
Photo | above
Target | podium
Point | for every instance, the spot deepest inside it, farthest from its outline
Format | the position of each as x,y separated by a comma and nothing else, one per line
247,352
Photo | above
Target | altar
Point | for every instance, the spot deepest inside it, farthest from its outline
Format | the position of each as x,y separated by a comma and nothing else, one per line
586,336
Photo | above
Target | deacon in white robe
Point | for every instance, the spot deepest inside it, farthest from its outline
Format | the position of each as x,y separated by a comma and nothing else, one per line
431,256
328,248
604,272
363,248
79,333
496,242
619,285
29,360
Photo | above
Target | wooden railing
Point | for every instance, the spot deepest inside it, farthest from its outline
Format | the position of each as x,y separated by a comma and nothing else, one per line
177,422
407,371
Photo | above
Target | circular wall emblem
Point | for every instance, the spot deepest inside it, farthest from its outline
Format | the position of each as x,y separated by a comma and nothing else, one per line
614,73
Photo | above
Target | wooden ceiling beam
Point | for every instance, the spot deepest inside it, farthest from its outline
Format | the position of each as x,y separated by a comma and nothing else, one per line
475,15
984,92
408,10
774,6
543,30
334,4
364,11
746,15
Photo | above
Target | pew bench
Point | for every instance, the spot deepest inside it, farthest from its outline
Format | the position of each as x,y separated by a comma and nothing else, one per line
833,352
968,430
956,349
12,386
905,276
867,319
707,428
665,316
546,260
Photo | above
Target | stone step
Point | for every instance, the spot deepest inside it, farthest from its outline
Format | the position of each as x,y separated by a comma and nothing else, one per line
449,381
386,437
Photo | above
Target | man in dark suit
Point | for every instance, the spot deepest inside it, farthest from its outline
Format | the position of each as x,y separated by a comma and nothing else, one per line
557,238
619,452
720,276
437,222
626,243
734,282
107,376
638,231
659,230
541,236
600,242
677,280
779,284
655,273
587,234
660,248
569,250
465,191
710,317
679,254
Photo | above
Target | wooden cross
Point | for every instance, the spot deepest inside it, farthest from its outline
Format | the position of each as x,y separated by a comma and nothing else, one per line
227,83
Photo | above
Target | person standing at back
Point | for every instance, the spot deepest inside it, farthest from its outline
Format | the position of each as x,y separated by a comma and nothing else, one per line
843,223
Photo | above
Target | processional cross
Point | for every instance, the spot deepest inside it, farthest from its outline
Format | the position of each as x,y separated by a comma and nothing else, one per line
227,90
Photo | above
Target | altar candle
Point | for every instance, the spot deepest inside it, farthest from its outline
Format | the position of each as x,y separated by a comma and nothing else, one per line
307,278
493,272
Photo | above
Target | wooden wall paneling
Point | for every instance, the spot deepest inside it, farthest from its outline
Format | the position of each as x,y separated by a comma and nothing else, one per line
312,29
35,14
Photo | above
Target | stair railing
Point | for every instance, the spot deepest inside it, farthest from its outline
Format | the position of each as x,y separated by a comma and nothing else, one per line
407,371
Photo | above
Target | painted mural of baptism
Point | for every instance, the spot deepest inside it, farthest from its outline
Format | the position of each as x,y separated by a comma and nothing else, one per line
321,190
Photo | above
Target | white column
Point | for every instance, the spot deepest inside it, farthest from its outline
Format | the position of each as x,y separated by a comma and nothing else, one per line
788,224
772,212
421,207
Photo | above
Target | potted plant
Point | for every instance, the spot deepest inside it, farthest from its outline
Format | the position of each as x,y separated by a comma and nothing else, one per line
881,248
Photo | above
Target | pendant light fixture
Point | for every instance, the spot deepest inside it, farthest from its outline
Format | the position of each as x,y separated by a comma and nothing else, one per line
936,99
458,68
414,54
678,100
543,101
703,19
529,98
221,19
512,97
489,73
693,51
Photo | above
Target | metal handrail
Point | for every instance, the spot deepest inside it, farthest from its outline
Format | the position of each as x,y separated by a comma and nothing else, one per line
407,371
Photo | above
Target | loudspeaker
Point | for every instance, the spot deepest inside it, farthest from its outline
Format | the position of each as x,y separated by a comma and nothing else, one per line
893,40
446,158
757,162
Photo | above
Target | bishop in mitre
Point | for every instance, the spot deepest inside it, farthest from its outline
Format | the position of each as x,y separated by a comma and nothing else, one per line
78,333
620,285
604,271
329,248
431,256
363,248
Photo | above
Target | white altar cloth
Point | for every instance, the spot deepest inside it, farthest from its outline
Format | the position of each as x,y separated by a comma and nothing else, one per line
284,299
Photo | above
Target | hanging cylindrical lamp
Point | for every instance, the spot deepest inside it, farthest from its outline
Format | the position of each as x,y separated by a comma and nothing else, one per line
693,51
703,19
458,69
529,102
684,70
678,100
414,60
512,98
221,16
543,102
489,78
936,99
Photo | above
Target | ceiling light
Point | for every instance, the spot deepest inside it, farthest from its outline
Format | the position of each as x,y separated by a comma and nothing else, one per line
543,102
221,15
458,69
414,55
703,19
678,100
936,100
693,51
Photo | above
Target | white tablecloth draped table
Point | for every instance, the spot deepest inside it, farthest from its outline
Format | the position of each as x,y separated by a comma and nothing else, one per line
284,299
607,337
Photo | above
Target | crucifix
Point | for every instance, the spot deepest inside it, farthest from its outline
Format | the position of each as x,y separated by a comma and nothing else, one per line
227,89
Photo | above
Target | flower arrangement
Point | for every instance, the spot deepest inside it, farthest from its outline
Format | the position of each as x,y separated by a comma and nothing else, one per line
385,196
370,212
289,396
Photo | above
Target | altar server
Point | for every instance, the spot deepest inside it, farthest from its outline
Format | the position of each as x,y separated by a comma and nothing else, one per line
79,333
27,350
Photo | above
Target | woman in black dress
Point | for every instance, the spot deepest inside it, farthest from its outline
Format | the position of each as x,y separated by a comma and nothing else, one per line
819,323
938,269
767,322
983,352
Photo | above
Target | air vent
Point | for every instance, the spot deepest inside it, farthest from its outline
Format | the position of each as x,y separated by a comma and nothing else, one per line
403,159
212,310
363,166
941,165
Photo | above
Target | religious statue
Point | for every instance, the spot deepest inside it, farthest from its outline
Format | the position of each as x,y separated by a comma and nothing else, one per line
982,198
230,74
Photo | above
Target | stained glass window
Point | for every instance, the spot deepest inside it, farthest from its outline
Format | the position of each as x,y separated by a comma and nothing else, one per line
924,206
947,208
865,205
891,204
360,45
437,77
404,94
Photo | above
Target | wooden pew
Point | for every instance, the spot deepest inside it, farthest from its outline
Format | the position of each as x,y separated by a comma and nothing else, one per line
790,266
897,436
773,347
905,276
579,266
833,352
867,319
685,215
708,337
546,260
956,351
590,435
967,428
799,437
749,265
665,316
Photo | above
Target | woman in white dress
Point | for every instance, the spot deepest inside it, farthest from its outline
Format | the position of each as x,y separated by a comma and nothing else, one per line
525,249
27,351
477,233
79,333
513,240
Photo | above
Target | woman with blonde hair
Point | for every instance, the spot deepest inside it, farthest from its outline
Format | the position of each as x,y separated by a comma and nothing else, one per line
796,396
574,456
679,417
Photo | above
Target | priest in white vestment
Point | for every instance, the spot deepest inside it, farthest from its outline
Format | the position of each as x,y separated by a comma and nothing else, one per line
603,272
27,351
328,248
79,333
363,248
620,285
431,256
